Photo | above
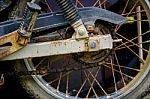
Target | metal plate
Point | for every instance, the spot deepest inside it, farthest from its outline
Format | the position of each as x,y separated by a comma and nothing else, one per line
51,20
63,47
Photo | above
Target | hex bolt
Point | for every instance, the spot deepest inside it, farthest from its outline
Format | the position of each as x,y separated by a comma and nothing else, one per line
81,32
92,44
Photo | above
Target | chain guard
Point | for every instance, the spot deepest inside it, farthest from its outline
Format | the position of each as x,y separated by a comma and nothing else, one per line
54,20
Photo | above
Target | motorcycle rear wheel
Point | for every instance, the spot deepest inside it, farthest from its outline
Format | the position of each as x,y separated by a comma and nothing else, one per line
130,73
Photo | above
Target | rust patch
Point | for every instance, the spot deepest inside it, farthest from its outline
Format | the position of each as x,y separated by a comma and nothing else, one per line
16,41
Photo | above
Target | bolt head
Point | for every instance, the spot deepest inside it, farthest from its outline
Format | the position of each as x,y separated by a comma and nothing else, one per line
81,32
92,44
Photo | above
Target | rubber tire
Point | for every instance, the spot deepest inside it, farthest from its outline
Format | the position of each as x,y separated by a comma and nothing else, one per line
29,84
35,91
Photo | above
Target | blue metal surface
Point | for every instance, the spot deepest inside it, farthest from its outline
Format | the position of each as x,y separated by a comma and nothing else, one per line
51,20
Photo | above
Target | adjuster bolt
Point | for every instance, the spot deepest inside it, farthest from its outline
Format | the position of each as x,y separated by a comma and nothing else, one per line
81,32
92,44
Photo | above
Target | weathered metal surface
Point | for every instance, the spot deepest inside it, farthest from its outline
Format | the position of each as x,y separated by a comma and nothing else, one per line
80,30
10,38
62,47
19,38
88,15
91,14
51,20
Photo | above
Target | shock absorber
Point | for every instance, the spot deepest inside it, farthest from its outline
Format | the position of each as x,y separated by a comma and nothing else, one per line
71,14
28,22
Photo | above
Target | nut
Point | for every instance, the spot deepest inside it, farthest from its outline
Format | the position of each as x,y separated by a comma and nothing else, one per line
92,44
81,32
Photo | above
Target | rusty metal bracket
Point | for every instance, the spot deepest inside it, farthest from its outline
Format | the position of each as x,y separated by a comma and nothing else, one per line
19,38
67,46
12,39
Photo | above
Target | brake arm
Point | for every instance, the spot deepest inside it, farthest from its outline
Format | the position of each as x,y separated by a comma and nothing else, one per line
19,38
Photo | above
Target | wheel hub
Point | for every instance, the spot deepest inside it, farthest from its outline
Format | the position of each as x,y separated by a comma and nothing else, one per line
99,56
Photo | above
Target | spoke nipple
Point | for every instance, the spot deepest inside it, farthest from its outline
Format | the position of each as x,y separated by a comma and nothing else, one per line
131,20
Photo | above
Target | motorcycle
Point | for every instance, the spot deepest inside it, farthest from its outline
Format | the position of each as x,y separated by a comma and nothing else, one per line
68,49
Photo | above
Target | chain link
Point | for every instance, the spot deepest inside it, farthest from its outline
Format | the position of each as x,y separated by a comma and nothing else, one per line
46,71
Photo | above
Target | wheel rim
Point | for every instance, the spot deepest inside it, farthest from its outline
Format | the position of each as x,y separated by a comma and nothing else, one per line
124,63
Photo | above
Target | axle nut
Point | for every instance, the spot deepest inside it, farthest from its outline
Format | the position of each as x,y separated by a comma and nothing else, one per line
92,44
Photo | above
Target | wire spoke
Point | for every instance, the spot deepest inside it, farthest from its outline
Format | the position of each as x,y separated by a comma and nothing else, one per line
131,42
98,83
147,32
148,41
141,20
92,83
83,84
48,6
119,72
78,2
122,66
67,82
96,3
100,4
58,85
141,60
40,62
119,67
103,2
118,26
144,42
64,75
67,85
125,7
113,73
125,14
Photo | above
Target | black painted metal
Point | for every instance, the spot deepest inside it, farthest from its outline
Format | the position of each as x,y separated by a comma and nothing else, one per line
69,10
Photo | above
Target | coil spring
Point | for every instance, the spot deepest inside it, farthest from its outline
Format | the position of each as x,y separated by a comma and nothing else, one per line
69,10
23,18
